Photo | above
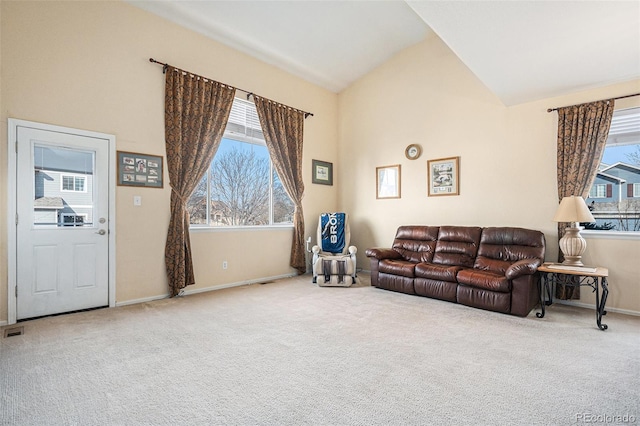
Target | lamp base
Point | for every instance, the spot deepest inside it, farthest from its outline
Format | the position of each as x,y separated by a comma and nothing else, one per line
573,246
573,261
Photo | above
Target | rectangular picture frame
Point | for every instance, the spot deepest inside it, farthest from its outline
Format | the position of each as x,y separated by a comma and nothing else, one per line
321,172
142,170
443,177
388,181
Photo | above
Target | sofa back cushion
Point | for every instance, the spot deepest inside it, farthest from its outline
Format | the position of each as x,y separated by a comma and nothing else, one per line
416,243
501,247
457,245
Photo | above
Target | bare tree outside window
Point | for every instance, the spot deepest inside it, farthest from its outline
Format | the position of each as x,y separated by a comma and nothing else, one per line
282,205
197,204
634,157
628,217
240,184
239,187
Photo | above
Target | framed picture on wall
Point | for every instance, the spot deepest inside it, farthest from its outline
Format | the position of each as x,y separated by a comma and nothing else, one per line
322,172
388,181
443,176
135,169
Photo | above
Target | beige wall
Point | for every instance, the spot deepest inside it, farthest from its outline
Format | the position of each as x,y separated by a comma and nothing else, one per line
426,95
86,65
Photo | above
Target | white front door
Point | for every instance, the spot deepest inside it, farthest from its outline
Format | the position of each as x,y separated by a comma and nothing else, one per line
62,222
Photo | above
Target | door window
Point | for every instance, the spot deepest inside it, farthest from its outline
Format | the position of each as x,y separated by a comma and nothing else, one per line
63,187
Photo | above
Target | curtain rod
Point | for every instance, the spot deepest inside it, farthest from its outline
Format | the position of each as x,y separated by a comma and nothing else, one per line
619,97
249,94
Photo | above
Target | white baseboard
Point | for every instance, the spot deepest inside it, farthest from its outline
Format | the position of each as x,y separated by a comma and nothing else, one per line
589,306
237,284
205,289
142,300
3,323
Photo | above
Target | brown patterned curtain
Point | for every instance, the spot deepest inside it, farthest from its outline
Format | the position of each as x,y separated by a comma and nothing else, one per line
283,127
582,135
196,113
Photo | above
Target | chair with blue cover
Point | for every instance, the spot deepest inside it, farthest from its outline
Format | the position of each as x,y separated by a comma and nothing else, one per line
334,260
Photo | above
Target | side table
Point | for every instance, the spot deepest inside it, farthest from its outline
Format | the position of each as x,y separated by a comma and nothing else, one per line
576,278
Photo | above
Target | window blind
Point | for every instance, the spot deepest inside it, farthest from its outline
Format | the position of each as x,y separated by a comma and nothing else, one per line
625,127
244,123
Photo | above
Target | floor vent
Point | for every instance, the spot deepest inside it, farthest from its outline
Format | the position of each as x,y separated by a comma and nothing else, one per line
14,331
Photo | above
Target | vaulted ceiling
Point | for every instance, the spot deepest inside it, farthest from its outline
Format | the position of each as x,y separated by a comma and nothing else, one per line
521,50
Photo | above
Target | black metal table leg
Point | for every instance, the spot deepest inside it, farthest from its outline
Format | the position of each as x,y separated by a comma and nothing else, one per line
600,304
545,294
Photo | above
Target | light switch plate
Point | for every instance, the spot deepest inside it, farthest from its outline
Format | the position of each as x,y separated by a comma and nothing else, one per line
137,200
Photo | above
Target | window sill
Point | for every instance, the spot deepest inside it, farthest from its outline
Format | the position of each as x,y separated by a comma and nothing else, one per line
610,235
202,228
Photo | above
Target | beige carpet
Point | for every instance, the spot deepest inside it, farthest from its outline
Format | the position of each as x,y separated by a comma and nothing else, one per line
292,353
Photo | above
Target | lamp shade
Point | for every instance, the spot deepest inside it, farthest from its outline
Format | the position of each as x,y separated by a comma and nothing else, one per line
573,209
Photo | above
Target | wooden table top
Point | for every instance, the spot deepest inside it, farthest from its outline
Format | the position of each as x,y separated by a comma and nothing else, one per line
587,271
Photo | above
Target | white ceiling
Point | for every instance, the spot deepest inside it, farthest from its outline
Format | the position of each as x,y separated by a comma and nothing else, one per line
527,50
521,50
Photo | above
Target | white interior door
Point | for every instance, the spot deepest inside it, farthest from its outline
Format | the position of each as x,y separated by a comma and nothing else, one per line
62,222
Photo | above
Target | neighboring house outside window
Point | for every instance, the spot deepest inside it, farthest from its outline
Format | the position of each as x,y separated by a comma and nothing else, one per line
46,211
612,200
73,183
62,199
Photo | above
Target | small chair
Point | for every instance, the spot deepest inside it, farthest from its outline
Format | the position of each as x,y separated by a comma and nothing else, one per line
334,260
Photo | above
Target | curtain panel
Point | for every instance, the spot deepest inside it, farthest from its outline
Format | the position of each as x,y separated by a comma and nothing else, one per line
582,136
283,130
196,113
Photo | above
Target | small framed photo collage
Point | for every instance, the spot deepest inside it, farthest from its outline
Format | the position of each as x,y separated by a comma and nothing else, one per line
135,169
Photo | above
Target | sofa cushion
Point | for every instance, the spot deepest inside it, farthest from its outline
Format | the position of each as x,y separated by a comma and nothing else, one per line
502,247
416,243
457,245
484,279
484,299
437,289
402,268
437,272
395,283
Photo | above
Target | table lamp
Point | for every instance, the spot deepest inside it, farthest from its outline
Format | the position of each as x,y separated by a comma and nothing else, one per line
573,209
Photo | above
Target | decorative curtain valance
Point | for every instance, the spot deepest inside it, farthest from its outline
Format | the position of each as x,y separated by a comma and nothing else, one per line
196,113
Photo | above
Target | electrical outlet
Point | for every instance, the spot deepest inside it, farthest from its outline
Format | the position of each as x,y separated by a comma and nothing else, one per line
224,264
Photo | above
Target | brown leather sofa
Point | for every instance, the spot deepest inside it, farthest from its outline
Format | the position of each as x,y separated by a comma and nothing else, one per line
487,268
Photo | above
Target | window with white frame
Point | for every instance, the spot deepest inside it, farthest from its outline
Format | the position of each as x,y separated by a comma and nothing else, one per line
73,183
72,219
616,205
241,187
598,191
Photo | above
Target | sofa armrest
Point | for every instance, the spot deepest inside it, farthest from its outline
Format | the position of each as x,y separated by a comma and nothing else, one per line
522,267
383,253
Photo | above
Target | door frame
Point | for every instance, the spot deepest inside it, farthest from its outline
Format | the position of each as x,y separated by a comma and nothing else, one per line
12,182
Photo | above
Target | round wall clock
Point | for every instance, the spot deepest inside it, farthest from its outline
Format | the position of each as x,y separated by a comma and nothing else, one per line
413,151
